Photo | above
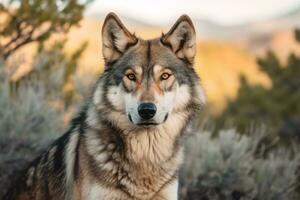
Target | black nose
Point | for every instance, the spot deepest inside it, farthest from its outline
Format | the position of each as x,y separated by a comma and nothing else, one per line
147,110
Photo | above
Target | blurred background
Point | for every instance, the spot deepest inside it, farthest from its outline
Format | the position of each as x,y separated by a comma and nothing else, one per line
248,60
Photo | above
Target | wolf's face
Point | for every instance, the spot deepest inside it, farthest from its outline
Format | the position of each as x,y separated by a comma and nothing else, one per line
150,94
147,81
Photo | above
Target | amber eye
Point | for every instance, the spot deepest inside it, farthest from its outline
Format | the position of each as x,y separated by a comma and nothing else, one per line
131,77
165,76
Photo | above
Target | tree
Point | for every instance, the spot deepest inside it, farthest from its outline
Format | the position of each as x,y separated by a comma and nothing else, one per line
53,69
29,21
278,107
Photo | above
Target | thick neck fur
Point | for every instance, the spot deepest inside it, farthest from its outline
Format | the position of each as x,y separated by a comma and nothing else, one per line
120,156
138,145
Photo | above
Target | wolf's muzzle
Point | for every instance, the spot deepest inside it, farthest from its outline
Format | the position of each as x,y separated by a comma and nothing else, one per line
147,110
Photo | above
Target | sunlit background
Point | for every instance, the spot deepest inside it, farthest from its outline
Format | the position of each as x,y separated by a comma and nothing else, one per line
218,12
230,33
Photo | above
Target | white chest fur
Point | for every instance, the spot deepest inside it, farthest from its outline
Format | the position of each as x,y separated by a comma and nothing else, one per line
94,191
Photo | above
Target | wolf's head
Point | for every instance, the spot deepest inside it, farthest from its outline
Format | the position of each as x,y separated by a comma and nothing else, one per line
147,82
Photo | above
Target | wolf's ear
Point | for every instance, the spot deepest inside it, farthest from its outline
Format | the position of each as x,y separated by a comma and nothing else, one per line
115,38
181,38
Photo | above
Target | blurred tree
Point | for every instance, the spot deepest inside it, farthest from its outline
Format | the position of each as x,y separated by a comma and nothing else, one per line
278,107
53,69
26,21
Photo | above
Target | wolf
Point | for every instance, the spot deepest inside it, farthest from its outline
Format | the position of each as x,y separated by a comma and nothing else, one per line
127,142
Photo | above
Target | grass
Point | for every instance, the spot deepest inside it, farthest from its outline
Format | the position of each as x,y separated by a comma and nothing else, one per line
234,166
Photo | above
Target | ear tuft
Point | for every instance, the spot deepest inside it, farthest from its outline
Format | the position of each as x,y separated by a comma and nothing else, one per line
181,38
115,38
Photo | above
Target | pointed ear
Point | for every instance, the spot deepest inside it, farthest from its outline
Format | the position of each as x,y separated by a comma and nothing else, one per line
181,38
115,38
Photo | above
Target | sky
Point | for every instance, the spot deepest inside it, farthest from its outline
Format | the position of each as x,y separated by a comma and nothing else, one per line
223,12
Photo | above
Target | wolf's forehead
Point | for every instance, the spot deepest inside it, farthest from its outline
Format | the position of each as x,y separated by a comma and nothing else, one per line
156,69
147,54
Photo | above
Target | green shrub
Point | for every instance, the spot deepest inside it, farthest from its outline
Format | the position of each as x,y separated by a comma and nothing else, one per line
229,166
277,107
25,113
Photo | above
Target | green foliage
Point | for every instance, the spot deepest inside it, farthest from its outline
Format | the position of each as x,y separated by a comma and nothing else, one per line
27,124
278,107
54,69
27,114
230,166
29,21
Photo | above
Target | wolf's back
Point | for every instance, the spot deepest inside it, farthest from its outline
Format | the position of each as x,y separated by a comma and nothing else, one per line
44,178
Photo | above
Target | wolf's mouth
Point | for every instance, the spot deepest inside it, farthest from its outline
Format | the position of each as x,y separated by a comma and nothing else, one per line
148,124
